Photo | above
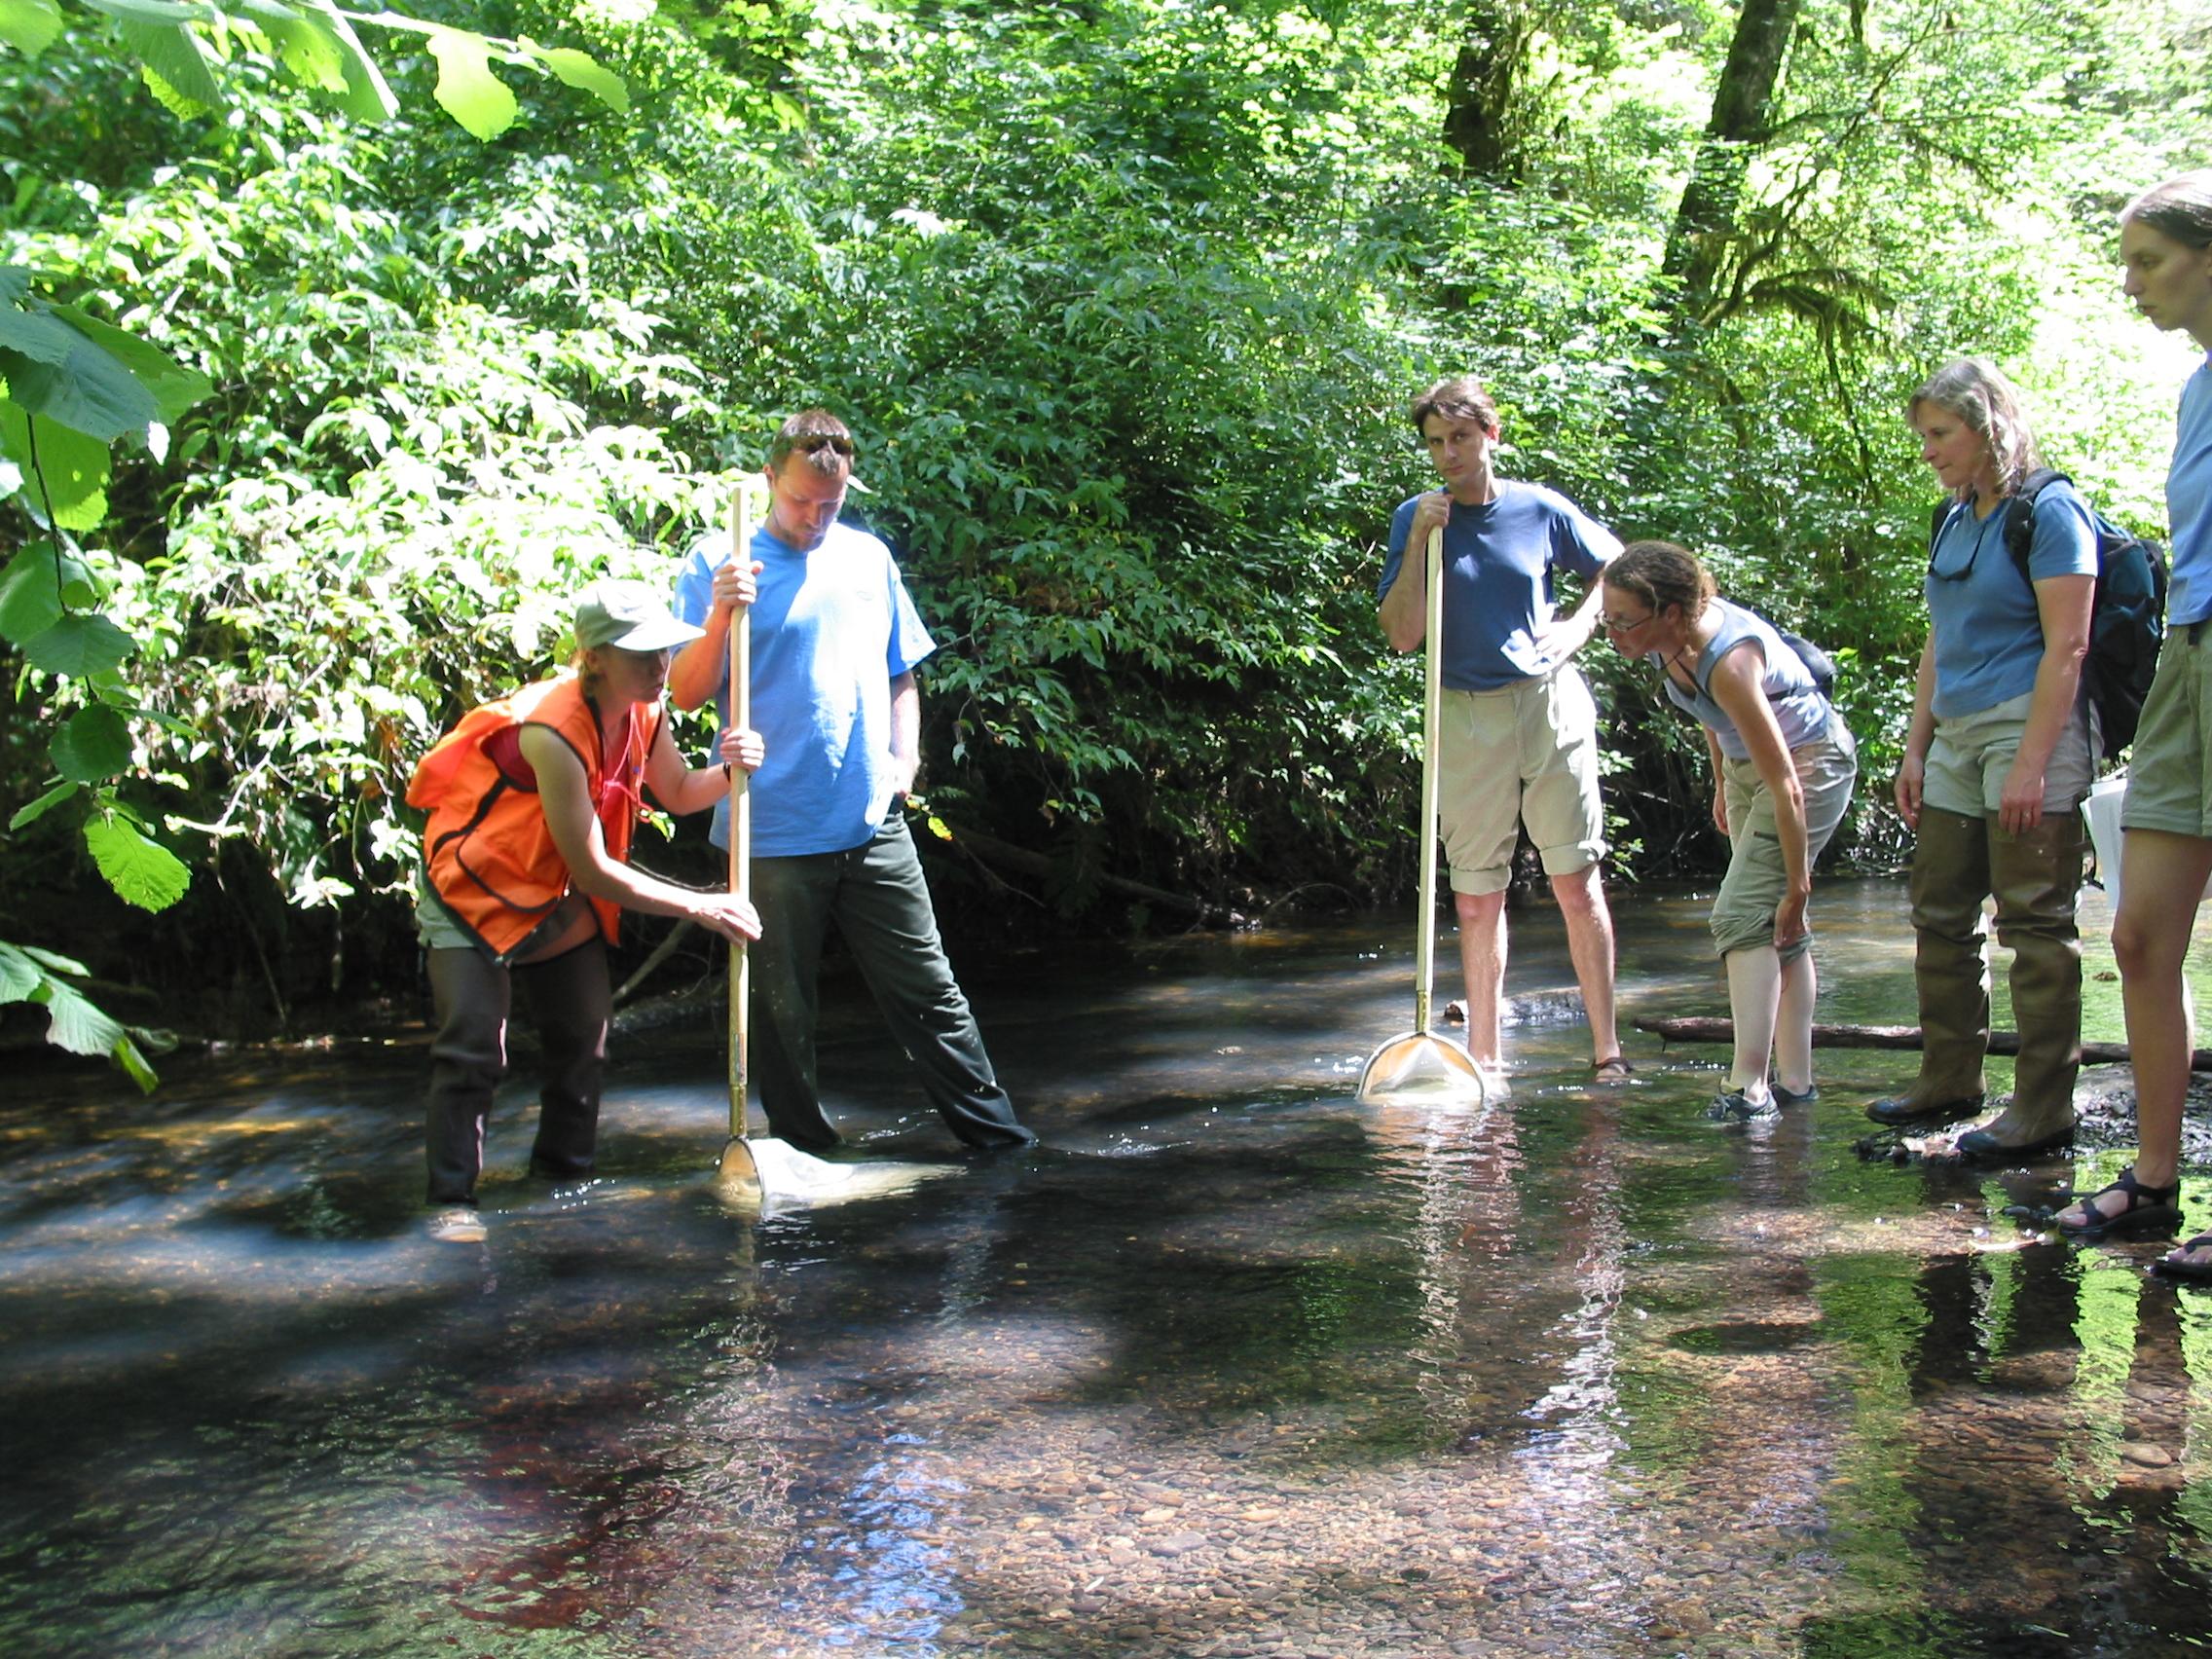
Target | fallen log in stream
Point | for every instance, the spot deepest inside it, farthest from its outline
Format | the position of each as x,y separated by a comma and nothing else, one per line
1887,1036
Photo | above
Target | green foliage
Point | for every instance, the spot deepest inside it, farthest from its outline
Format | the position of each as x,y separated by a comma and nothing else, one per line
185,49
1124,301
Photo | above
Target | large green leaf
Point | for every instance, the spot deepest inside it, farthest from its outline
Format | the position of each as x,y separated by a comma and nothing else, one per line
174,64
305,44
40,807
142,870
159,12
76,1023
54,962
127,1054
93,744
19,975
467,89
34,333
582,71
174,388
77,645
30,592
29,25
81,385
69,464
366,97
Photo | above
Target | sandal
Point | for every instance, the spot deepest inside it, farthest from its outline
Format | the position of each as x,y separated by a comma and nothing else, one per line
2175,1265
1611,1070
2150,1209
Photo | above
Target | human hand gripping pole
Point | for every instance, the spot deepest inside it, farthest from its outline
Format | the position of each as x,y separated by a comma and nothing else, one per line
1420,1061
738,1171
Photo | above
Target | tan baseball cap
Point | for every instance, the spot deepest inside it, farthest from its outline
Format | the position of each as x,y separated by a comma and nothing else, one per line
630,617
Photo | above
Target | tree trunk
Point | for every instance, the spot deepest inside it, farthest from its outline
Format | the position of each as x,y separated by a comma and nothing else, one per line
1482,123
1711,206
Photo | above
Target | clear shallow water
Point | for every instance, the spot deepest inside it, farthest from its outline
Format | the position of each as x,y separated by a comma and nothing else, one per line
1235,1367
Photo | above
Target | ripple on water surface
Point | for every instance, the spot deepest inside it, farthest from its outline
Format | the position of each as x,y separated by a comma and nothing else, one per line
1234,1367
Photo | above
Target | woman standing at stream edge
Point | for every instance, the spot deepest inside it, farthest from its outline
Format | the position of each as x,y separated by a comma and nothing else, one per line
1997,759
2166,246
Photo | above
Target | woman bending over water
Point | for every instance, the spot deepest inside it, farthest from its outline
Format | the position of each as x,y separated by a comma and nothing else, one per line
1996,762
1782,769
2166,246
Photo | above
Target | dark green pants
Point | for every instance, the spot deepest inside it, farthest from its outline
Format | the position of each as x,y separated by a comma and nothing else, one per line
877,897
568,1001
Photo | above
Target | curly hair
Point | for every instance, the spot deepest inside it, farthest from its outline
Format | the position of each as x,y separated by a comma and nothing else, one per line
1661,573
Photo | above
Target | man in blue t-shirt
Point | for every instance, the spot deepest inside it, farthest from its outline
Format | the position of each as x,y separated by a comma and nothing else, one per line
834,642
1520,740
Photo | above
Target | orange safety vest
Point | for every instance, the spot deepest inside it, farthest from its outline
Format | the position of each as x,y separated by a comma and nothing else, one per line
491,857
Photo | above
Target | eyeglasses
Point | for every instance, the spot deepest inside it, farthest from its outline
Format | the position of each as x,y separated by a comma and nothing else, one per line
813,443
1615,625
1973,553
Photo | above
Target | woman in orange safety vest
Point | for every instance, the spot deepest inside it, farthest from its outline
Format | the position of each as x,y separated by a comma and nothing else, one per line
532,801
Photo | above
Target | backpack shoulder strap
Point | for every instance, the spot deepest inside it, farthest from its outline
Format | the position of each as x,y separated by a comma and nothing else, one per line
2020,515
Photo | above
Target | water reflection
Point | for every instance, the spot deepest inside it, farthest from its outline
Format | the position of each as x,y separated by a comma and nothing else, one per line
1233,1368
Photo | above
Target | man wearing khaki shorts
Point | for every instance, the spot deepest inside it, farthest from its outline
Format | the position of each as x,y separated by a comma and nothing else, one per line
1520,743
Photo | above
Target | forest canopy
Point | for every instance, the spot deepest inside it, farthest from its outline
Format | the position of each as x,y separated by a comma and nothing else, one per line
1124,299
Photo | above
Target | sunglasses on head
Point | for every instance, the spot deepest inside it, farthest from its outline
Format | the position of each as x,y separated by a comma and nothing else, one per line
813,443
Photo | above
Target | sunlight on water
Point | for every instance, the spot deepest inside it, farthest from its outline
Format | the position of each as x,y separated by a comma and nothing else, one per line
1229,1366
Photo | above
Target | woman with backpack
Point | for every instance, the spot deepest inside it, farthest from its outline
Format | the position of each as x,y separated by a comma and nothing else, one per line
2165,245
1996,762
1783,764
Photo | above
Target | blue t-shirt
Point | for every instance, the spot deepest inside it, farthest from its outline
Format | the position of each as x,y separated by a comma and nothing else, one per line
831,630
1499,562
1988,631
2189,503
1799,709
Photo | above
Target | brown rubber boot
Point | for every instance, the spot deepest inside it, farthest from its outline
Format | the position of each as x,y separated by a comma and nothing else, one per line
2036,875
1950,875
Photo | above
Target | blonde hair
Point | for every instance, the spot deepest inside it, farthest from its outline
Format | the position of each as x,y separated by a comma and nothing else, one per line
1974,389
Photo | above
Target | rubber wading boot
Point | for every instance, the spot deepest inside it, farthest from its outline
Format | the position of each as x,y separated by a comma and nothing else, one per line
1950,874
2036,875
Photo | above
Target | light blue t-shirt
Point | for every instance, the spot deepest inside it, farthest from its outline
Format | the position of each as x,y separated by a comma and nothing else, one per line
1498,563
831,630
1799,709
1988,631
2189,504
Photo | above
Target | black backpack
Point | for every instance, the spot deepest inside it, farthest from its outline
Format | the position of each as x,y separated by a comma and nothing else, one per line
1818,663
2128,622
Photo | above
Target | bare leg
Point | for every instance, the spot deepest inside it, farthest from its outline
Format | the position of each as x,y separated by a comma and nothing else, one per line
2160,878
2150,939
1482,961
1590,942
1794,1024
1754,1000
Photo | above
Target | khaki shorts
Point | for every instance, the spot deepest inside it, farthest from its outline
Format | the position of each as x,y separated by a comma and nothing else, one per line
2169,774
1524,753
1743,911
1971,756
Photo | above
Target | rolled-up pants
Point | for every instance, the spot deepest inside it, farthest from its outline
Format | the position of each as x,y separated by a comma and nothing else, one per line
876,895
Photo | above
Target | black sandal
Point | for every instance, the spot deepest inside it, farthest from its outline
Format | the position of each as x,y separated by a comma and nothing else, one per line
1610,1070
2195,1273
2150,1209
